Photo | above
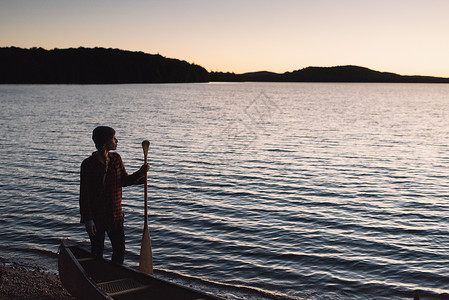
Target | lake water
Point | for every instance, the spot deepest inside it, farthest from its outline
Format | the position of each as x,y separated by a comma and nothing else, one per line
256,190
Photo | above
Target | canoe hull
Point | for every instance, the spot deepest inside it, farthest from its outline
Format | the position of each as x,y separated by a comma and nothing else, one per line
87,277
74,278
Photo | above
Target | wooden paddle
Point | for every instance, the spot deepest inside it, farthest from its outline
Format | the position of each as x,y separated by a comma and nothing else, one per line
146,254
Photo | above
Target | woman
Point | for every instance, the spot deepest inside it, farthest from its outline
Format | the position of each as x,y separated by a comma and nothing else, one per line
102,178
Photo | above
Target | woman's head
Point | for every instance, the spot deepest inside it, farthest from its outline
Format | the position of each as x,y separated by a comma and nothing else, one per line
101,135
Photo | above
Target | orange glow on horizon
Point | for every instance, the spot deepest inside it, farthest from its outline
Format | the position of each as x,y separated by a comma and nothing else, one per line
404,37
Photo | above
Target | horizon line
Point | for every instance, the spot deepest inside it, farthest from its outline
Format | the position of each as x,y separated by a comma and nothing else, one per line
226,72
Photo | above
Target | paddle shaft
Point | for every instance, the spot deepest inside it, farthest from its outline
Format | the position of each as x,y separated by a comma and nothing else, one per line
146,253
146,190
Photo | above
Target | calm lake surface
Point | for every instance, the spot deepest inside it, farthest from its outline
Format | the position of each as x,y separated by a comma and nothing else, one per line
256,190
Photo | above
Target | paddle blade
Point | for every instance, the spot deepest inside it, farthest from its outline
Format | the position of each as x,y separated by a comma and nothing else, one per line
146,254
145,147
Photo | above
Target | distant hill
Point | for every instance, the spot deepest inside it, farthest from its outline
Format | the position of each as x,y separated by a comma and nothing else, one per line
328,74
355,74
93,66
111,66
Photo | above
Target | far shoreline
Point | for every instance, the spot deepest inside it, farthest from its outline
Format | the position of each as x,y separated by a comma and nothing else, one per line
115,66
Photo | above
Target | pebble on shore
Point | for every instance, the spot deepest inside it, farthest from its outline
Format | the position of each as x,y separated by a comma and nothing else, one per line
20,283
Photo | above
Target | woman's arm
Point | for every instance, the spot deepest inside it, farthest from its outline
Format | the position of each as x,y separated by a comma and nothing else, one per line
84,200
137,177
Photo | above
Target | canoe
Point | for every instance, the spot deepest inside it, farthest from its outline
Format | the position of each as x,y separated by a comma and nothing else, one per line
87,277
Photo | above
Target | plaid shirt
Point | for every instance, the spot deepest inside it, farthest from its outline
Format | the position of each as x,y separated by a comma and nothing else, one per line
101,191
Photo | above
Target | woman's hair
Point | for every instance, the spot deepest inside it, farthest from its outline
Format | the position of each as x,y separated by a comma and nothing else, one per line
101,135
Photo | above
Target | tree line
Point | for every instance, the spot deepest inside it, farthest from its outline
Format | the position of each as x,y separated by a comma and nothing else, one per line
327,74
93,66
113,66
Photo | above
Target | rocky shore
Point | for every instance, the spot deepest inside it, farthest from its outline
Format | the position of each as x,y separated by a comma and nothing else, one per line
20,283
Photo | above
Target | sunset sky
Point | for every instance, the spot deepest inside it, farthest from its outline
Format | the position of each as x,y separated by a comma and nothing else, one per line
408,37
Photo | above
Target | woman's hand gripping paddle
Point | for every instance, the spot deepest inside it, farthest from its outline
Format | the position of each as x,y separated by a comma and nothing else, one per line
146,254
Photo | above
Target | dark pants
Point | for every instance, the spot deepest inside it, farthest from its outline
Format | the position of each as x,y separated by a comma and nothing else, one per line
117,238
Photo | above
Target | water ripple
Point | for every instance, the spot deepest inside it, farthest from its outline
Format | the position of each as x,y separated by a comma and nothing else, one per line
318,191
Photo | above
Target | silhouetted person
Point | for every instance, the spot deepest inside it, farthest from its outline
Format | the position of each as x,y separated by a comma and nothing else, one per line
102,178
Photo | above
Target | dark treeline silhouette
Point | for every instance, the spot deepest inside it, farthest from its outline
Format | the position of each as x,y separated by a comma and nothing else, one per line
93,66
355,74
110,66
327,74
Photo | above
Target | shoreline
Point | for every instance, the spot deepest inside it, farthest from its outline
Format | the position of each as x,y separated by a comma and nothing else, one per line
17,282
